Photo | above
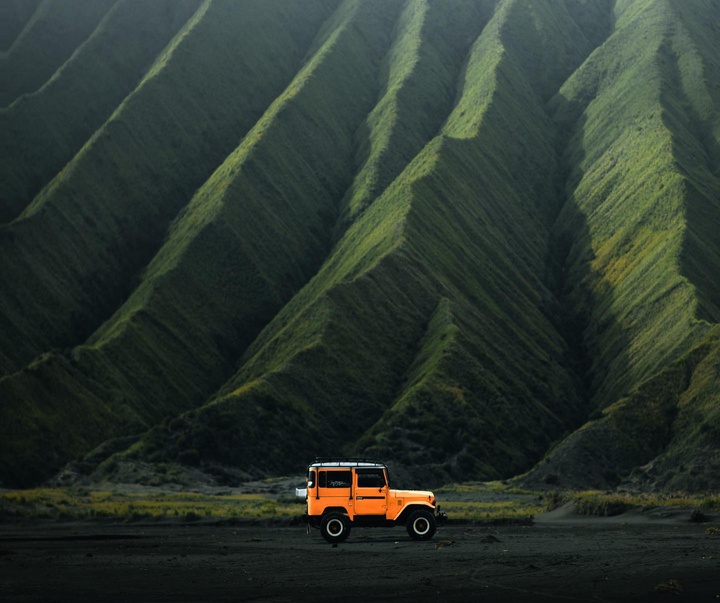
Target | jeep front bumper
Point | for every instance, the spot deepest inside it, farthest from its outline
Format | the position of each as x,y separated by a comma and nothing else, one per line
440,517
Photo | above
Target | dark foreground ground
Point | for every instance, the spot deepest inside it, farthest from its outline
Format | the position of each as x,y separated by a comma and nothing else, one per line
593,560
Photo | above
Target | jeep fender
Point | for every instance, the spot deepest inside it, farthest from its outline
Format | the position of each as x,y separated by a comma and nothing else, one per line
335,510
315,520
413,506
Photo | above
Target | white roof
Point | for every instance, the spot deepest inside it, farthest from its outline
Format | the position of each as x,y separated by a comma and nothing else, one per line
348,463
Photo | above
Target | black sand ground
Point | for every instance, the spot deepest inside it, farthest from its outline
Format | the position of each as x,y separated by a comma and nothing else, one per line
558,560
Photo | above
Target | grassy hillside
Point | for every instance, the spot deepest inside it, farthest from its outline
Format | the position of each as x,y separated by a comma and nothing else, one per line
14,15
691,62
249,239
691,461
52,411
75,253
449,407
44,130
393,348
113,222
420,74
663,435
463,236
629,189
645,180
50,36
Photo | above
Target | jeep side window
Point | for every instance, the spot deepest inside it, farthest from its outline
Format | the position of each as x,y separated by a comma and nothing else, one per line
311,478
323,479
370,478
339,479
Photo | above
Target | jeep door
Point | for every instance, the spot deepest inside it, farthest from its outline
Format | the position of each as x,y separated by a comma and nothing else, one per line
371,491
334,487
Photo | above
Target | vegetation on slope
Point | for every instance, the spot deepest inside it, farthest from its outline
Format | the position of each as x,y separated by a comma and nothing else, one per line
340,354
115,199
51,412
450,406
55,30
690,100
645,179
44,130
691,461
74,255
664,434
14,14
626,191
440,236
249,239
420,72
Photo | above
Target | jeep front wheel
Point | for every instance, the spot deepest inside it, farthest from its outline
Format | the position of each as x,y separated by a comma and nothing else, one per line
421,525
334,527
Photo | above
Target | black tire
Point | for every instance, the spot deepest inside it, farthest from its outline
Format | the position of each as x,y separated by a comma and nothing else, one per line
335,527
421,525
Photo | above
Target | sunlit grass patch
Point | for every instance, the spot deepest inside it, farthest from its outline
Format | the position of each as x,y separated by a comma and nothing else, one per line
491,511
472,502
608,504
497,487
464,488
71,503
489,502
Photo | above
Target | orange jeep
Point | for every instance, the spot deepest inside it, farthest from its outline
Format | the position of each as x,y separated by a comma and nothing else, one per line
342,493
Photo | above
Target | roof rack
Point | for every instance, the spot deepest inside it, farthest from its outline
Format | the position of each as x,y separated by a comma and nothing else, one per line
346,461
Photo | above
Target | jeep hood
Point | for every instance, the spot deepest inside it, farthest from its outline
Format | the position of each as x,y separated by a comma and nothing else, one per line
413,494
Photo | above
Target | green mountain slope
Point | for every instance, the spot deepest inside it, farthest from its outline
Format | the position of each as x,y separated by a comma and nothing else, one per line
119,193
650,274
420,72
455,235
114,222
53,32
264,217
44,130
663,435
14,14
353,362
626,186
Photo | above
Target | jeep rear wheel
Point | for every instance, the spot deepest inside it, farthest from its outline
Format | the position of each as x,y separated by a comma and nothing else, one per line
335,527
421,525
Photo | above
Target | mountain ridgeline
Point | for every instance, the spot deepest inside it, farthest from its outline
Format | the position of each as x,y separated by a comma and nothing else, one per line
475,238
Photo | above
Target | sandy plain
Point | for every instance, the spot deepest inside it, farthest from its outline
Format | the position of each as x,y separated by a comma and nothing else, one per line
561,557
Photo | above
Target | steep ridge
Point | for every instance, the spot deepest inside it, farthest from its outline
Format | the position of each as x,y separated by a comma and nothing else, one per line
360,342
692,72
143,139
442,233
491,396
665,434
624,183
310,132
249,239
691,459
74,255
422,68
51,411
647,182
51,35
14,15
44,130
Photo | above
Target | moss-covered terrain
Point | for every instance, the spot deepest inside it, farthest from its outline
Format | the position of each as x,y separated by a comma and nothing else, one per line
475,238
271,500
